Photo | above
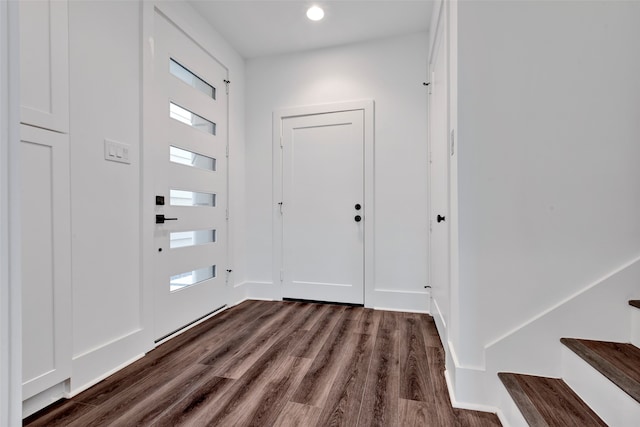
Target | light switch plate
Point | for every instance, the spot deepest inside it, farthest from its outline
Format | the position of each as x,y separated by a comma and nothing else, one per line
116,151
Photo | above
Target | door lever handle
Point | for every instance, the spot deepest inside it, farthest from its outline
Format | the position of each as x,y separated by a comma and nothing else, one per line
160,219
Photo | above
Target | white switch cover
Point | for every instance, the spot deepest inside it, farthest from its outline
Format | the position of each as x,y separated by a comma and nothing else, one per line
116,151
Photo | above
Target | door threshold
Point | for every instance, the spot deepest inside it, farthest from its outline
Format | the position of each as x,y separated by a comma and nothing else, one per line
313,301
188,326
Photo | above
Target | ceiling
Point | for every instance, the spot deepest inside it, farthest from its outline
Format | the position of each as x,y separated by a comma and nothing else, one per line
265,27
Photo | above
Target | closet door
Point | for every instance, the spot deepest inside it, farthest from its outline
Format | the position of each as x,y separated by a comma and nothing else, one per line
44,64
45,199
46,263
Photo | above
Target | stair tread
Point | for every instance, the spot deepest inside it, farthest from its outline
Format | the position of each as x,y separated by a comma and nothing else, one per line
635,303
548,401
619,362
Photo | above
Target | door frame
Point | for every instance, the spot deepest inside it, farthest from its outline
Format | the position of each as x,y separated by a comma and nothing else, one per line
10,257
367,107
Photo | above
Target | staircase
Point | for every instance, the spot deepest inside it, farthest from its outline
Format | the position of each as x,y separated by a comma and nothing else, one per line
600,384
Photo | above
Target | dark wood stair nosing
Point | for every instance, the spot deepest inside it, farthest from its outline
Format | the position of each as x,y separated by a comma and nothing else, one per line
635,303
600,363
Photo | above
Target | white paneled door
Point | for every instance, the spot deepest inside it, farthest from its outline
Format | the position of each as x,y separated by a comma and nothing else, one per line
439,181
190,180
323,207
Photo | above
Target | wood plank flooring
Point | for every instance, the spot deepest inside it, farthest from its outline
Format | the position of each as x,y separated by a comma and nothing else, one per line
266,363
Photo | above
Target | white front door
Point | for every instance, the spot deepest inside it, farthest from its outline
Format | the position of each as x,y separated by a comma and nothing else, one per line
190,179
323,207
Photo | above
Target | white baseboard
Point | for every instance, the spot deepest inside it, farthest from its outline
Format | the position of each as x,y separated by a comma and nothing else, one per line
262,291
45,398
407,301
93,366
391,300
611,403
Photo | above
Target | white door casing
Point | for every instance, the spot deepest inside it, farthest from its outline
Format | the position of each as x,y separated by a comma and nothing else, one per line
323,167
190,128
10,263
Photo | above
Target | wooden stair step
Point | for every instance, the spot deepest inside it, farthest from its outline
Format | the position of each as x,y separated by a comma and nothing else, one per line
548,401
635,303
619,362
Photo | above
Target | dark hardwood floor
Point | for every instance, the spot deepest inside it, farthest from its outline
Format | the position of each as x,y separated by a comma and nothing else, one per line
280,364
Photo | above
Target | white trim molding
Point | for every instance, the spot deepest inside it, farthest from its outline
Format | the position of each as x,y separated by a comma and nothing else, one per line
406,301
367,106
10,279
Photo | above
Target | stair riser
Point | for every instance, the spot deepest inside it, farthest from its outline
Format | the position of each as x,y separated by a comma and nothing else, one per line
612,404
635,326
510,415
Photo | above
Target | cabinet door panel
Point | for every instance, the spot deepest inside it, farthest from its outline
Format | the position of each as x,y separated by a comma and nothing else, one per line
44,64
46,266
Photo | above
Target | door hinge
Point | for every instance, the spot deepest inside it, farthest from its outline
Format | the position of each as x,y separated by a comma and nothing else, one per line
453,138
281,143
227,83
430,225
227,151
280,205
226,214
282,275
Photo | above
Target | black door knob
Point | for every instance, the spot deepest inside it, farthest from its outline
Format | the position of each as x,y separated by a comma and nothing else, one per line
358,218
358,207
440,218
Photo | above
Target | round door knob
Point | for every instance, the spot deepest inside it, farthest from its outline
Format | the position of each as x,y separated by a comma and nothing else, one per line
358,206
358,218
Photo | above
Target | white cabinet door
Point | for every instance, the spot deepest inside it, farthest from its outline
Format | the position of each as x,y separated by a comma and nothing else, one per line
46,260
44,64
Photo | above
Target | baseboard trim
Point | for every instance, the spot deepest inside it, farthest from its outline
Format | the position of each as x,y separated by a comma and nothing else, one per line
45,398
94,365
268,291
407,301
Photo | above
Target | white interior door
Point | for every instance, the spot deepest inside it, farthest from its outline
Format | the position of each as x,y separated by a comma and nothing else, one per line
190,176
439,181
323,208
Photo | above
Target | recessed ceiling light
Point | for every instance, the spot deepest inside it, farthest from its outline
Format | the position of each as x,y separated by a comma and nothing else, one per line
315,13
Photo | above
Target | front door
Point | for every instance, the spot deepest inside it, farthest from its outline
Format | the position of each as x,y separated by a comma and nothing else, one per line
190,178
323,211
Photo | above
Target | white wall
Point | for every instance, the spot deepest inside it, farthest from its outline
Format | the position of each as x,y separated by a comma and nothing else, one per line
112,319
105,196
390,72
548,108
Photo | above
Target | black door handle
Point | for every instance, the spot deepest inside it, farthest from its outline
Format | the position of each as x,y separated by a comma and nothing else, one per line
357,218
440,218
160,219
358,206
